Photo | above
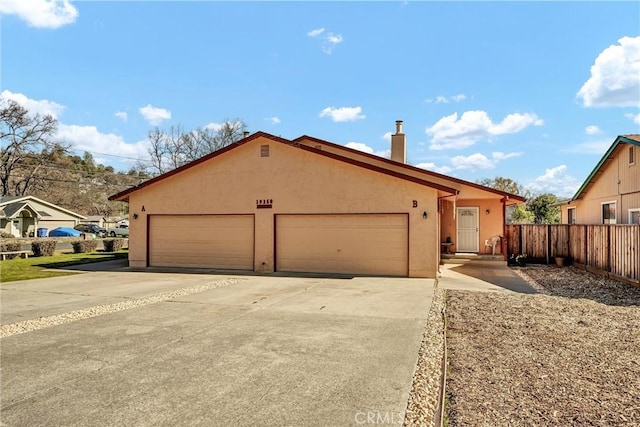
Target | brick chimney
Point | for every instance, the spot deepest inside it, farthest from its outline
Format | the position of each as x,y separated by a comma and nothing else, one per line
398,144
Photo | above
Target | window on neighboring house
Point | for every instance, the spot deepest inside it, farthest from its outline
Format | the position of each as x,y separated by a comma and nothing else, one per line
571,216
609,213
634,216
632,159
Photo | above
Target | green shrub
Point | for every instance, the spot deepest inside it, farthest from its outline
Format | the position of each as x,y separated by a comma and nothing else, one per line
43,247
4,235
82,246
10,247
113,245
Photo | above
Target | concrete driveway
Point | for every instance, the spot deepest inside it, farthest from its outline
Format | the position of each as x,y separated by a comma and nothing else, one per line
141,348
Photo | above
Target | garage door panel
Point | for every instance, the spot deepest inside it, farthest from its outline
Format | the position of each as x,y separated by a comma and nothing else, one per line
202,241
350,244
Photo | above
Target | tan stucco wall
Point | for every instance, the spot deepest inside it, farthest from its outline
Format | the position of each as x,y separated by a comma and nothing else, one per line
298,182
489,224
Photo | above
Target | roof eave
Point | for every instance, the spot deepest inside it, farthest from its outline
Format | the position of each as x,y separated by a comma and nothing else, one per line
515,197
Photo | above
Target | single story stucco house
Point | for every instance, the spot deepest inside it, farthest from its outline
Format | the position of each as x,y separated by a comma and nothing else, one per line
22,216
269,204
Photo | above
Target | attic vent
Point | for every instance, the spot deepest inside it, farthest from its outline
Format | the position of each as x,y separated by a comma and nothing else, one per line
264,151
318,147
43,213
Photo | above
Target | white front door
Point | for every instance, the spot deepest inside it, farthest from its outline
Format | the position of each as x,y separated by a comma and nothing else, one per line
468,236
16,227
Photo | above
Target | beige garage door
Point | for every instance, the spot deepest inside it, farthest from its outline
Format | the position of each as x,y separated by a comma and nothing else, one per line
350,244
201,241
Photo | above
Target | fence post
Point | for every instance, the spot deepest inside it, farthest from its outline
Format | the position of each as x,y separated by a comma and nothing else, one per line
519,239
586,246
609,248
548,249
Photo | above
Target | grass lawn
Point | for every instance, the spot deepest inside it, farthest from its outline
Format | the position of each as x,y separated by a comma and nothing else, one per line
38,267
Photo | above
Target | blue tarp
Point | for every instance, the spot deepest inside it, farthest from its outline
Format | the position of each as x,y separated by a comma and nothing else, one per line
64,232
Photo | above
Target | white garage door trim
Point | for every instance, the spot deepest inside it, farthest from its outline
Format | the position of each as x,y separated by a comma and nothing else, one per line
201,241
371,244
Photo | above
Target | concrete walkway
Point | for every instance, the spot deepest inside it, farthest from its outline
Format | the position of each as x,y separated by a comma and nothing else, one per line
481,275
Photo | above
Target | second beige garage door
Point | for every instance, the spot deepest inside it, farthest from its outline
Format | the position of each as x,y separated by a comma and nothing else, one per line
376,244
201,241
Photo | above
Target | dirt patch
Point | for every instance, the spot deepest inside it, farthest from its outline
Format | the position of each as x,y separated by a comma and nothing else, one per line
569,356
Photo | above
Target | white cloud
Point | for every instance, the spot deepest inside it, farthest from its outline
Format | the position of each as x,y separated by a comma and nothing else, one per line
555,181
316,32
593,147
451,132
432,167
387,136
88,138
444,100
122,115
274,120
328,40
592,130
499,156
614,78
480,161
154,115
42,106
213,126
343,114
41,13
366,149
473,162
634,117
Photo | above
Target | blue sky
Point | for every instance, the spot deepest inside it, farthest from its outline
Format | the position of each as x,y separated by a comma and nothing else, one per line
533,91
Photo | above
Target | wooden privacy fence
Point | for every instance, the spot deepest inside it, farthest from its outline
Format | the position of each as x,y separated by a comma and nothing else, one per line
610,249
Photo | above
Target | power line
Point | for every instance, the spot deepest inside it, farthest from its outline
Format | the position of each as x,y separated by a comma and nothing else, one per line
111,155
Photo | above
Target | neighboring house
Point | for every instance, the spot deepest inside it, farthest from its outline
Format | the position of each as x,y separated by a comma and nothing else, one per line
22,216
269,204
611,192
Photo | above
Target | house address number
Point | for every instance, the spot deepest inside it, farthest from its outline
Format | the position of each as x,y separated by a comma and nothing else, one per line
264,203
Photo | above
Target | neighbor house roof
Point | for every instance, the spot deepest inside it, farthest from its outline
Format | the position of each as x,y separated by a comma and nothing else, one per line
633,139
10,205
124,195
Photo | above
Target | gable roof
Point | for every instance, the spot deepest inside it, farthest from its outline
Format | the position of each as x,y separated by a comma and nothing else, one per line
425,172
633,139
16,203
124,195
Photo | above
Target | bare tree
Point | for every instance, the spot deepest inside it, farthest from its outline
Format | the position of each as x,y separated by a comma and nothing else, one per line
176,147
25,139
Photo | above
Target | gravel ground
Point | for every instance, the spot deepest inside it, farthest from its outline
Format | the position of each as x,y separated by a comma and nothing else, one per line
423,398
569,356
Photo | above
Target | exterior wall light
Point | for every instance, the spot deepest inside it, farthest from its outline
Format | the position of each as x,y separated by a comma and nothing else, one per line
135,216
487,211
424,215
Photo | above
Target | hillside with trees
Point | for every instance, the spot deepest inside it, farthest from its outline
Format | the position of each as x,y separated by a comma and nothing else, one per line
35,162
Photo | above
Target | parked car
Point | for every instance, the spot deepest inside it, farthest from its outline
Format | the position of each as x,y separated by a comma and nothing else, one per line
64,232
91,228
121,230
